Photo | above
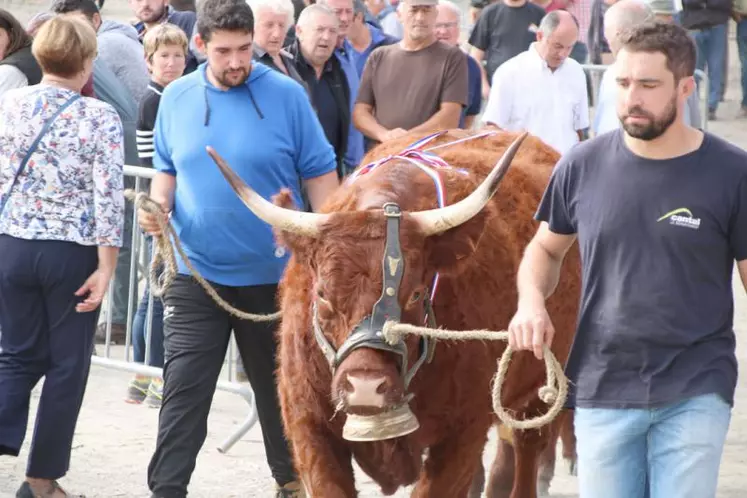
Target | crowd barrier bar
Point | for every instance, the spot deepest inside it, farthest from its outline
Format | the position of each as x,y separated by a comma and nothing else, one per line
138,271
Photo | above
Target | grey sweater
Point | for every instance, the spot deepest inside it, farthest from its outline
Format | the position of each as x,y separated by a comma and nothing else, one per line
122,52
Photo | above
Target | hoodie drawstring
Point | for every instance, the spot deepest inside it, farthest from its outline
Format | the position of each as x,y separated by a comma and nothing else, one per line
251,96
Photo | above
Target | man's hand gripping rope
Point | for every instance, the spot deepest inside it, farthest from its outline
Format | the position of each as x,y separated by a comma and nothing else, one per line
165,243
553,393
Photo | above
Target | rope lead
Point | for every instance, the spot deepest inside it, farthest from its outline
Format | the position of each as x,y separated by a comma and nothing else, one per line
164,253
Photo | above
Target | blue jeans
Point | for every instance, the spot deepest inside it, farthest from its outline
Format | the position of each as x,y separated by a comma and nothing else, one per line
672,451
742,46
711,44
156,330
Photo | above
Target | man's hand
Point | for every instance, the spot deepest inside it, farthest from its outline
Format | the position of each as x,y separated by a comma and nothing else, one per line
148,221
392,134
531,329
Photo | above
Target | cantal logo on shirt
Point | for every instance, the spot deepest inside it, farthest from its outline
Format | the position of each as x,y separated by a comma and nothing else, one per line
681,217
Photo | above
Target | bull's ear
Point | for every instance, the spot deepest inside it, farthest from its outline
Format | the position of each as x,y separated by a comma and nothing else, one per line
450,250
292,241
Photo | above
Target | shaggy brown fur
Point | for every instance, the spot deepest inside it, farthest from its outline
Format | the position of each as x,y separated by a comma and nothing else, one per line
478,262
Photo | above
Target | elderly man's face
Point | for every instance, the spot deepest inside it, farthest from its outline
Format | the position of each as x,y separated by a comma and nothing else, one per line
343,9
270,28
318,38
149,10
447,25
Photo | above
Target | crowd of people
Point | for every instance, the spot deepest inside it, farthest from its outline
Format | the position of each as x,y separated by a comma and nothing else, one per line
309,88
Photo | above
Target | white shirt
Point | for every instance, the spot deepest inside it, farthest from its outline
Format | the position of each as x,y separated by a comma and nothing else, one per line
527,95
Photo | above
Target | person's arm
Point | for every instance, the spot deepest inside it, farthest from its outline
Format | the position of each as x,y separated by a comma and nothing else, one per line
738,231
163,185
539,271
581,110
11,77
316,160
320,188
500,101
146,123
363,118
454,94
108,182
108,209
479,40
475,92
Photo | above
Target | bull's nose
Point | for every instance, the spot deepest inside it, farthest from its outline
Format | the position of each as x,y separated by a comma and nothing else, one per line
365,391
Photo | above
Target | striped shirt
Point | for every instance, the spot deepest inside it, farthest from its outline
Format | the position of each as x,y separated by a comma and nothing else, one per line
146,122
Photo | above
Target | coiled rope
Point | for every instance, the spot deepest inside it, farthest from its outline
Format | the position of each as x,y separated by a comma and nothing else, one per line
553,393
164,253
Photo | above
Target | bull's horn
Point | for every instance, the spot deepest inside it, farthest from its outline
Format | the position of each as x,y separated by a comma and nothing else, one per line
284,219
435,221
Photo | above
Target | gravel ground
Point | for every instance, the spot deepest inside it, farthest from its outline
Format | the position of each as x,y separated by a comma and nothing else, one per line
114,440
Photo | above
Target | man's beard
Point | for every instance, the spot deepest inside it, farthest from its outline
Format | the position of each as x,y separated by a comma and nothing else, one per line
655,127
155,16
224,79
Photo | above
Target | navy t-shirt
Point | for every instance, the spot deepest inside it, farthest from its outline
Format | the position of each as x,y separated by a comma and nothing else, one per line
658,241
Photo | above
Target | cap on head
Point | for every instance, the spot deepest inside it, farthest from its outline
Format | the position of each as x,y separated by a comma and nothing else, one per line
417,3
662,7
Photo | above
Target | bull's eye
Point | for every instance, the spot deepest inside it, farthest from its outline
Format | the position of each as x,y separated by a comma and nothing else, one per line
415,297
324,304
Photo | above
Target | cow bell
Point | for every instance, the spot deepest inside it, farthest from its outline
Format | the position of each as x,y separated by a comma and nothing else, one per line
399,421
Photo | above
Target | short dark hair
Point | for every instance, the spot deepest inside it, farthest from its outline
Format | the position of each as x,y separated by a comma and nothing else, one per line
667,38
223,15
16,34
87,7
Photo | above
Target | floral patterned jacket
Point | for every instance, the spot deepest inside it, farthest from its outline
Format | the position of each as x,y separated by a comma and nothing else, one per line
72,188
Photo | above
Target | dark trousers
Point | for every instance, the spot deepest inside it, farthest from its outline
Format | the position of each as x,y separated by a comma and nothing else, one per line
196,336
41,335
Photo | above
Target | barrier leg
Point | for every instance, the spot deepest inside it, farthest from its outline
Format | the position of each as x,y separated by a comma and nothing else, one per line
243,391
249,422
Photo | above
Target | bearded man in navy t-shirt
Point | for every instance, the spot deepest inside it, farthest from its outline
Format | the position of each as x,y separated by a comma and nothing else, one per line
659,210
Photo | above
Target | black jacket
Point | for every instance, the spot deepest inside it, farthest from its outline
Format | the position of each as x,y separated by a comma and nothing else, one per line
23,60
338,82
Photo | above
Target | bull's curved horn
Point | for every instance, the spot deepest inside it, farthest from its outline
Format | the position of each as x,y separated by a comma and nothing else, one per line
284,219
435,221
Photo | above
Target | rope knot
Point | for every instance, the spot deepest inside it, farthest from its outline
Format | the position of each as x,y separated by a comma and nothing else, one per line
391,335
548,394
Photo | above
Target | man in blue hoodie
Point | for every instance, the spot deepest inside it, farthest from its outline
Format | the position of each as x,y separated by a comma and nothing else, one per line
365,37
263,124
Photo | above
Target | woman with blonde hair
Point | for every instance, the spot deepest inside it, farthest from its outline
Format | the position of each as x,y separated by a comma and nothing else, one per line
61,222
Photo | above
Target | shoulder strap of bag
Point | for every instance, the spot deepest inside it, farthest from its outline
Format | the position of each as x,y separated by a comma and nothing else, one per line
34,145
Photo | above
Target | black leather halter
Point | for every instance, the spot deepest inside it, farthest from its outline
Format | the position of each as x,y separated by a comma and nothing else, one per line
369,332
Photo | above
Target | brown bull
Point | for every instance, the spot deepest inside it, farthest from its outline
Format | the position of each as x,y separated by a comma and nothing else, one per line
339,284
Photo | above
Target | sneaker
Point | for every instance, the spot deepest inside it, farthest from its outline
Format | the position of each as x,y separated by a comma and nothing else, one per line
155,393
293,489
138,390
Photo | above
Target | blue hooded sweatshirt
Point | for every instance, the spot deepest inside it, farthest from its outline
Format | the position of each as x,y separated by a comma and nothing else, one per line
378,39
268,133
355,152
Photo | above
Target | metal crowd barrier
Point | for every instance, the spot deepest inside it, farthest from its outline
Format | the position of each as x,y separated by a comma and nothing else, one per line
139,274
596,71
